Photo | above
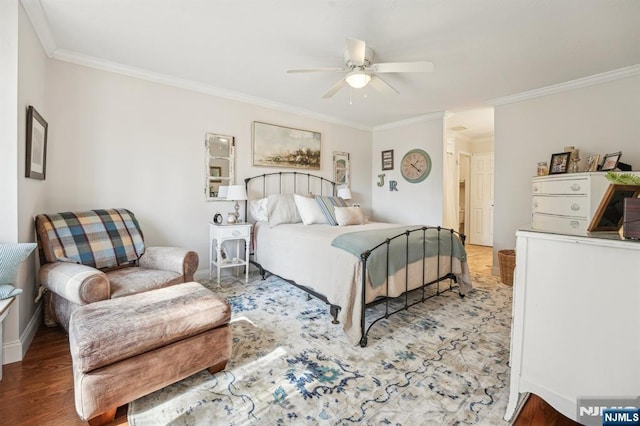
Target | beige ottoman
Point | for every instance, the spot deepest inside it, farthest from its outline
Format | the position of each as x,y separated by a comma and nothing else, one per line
128,347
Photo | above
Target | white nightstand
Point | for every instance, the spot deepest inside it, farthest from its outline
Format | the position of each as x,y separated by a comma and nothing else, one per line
222,233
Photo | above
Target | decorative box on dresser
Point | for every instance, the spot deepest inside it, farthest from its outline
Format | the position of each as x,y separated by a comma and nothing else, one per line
575,330
566,203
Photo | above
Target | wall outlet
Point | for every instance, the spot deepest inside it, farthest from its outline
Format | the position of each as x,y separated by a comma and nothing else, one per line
355,205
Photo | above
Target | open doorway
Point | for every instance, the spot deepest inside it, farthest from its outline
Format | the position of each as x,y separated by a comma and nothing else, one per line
469,151
464,173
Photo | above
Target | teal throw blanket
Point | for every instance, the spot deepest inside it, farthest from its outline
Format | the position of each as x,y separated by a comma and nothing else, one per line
358,242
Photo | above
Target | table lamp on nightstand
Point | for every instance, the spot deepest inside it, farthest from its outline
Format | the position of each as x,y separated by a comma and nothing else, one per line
344,193
237,193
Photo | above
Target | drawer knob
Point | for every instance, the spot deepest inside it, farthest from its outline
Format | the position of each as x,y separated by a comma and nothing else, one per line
535,188
574,224
575,207
236,233
575,187
535,204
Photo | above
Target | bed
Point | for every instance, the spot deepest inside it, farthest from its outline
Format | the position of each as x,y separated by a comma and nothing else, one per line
355,267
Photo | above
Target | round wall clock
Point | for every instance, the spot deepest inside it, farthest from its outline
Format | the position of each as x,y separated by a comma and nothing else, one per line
415,166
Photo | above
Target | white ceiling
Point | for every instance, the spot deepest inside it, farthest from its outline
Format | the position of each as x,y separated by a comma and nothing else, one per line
481,49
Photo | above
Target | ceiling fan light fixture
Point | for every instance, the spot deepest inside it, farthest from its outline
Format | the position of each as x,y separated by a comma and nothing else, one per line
358,79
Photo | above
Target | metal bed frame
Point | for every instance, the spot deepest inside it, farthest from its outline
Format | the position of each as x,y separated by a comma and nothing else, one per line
364,257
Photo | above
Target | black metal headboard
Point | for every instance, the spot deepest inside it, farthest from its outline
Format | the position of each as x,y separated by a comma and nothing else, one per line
286,182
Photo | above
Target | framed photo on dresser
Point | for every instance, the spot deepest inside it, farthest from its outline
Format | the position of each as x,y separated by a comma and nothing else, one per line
559,163
610,161
592,163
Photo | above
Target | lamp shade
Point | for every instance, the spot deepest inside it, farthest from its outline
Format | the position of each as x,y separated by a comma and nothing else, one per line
236,192
222,191
344,193
358,79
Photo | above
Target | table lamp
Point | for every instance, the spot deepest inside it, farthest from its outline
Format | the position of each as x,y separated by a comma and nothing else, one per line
344,193
237,193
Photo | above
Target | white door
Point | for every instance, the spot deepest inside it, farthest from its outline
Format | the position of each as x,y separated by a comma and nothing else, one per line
481,214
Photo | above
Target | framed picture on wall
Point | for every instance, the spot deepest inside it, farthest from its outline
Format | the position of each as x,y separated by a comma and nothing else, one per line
37,129
387,160
341,168
279,146
559,163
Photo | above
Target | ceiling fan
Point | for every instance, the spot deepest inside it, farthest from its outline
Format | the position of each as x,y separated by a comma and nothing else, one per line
360,71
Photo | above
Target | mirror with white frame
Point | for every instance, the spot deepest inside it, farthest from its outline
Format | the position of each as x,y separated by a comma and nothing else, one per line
219,161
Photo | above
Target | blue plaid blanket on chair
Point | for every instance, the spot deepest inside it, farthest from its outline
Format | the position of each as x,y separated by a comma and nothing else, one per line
97,238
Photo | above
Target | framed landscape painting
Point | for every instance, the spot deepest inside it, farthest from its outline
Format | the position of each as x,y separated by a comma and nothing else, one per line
279,146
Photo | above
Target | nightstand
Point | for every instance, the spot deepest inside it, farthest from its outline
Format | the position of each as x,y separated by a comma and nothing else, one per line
218,257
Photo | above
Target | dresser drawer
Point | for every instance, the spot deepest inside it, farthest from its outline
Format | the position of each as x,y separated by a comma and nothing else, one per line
563,206
560,224
567,186
234,232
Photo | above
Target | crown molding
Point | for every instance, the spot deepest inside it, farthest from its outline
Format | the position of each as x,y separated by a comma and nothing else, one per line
40,24
425,117
604,77
194,86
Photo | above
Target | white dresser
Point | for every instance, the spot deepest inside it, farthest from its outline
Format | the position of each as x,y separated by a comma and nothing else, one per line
566,203
575,319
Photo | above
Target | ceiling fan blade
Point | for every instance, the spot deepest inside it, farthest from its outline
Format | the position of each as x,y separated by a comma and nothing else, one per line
356,49
402,67
382,86
315,70
334,89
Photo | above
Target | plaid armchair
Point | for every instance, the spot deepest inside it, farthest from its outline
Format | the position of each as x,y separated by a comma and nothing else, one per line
100,254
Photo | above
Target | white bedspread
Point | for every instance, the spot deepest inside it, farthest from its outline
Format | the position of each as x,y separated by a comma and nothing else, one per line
303,253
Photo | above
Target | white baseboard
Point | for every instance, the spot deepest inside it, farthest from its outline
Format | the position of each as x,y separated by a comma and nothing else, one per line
15,350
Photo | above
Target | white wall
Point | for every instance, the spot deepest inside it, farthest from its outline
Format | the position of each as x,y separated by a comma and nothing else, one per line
413,203
22,78
118,141
32,194
9,11
601,118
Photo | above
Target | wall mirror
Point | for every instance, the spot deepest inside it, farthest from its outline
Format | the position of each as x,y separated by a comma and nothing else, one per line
219,161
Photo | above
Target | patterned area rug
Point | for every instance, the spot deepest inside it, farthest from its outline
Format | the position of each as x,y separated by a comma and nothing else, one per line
441,362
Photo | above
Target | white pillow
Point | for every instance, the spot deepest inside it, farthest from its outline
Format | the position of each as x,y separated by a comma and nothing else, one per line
309,210
282,208
258,209
349,216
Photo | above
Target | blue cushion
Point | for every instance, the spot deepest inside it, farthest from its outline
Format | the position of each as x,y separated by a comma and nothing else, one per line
11,256
7,291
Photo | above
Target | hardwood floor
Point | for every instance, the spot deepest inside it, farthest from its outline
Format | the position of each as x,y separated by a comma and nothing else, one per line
39,390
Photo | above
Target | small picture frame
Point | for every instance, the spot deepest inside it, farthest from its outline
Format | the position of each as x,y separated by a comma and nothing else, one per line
610,161
36,159
215,171
387,160
559,163
592,163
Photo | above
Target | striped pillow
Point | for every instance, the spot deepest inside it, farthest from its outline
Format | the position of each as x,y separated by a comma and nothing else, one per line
327,205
